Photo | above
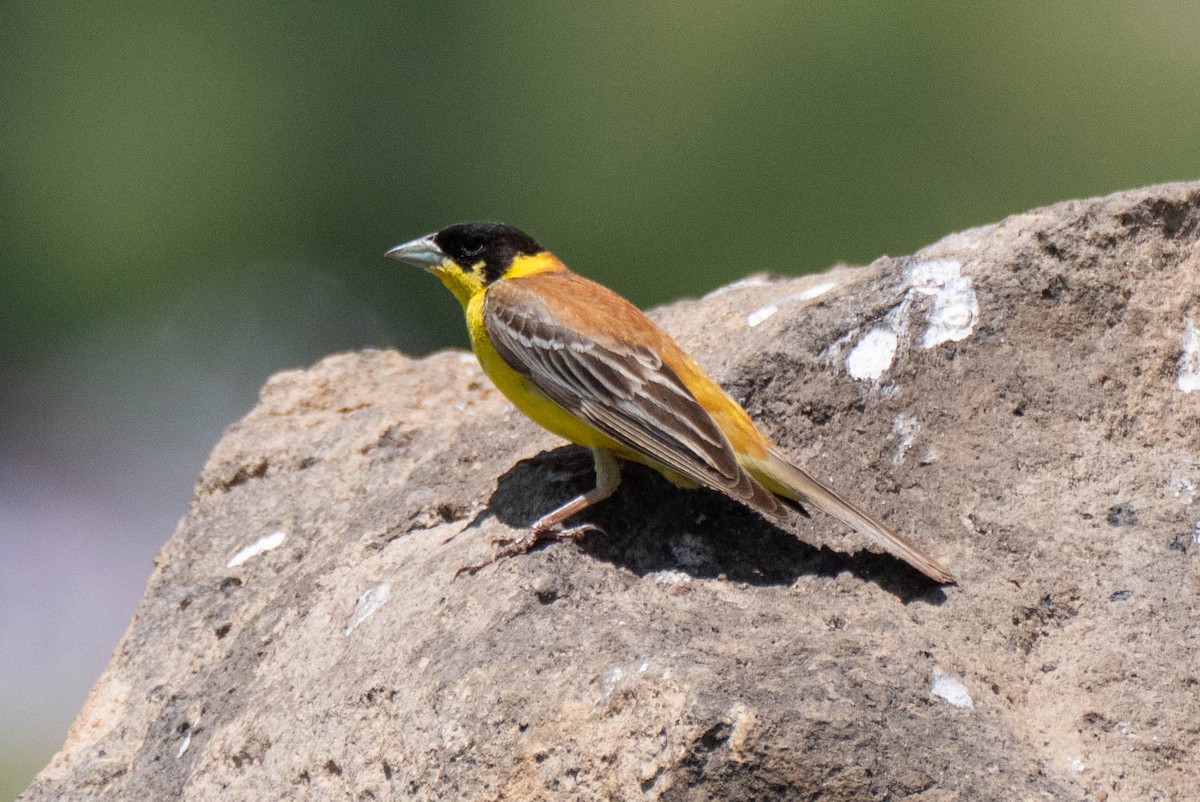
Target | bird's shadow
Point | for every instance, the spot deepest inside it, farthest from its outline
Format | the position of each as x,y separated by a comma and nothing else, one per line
650,525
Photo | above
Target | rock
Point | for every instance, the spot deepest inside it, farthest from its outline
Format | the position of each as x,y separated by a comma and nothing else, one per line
1019,397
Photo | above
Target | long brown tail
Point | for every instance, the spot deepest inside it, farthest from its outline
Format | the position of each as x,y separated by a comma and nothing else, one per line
783,478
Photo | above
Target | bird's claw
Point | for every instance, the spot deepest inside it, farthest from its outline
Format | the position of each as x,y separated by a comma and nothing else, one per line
512,546
560,533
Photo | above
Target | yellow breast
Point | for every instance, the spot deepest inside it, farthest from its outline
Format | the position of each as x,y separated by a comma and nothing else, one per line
525,395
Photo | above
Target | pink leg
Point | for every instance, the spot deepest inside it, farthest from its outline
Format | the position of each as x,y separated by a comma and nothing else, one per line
549,526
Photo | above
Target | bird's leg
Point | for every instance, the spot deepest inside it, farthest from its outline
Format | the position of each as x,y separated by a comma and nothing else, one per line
549,526
608,478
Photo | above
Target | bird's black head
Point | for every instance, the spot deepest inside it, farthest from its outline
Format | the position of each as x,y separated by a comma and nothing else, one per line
493,244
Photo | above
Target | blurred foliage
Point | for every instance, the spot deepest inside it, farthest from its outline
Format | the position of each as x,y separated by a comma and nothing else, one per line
150,149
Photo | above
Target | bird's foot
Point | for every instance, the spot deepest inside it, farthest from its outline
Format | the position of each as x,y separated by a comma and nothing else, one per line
512,546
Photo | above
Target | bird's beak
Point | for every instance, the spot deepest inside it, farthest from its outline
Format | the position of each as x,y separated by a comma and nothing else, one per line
422,252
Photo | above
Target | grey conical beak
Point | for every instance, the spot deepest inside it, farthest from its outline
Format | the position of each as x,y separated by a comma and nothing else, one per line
422,252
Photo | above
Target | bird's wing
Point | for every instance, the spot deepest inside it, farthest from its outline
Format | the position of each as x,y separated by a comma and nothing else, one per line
621,387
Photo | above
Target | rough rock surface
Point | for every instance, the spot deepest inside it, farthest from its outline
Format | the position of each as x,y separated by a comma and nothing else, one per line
1021,406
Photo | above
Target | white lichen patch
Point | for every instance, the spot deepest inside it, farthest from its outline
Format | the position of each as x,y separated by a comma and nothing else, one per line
952,314
950,688
262,545
755,280
955,308
671,578
1188,379
615,674
676,583
184,744
906,428
815,291
759,315
371,600
873,354
764,313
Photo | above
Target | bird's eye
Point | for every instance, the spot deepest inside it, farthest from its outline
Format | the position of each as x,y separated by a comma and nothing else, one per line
472,247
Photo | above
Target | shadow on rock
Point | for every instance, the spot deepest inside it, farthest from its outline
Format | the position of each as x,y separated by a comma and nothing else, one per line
650,525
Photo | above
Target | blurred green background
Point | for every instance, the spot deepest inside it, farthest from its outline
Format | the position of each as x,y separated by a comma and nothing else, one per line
193,197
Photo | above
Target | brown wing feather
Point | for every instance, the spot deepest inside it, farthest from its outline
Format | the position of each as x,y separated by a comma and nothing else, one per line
618,384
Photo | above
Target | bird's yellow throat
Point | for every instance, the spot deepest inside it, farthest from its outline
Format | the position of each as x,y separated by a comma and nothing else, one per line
468,284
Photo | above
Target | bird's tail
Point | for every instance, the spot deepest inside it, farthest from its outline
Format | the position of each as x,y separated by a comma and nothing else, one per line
784,479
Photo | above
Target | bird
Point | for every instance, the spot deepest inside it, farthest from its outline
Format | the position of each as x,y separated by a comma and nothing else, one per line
589,366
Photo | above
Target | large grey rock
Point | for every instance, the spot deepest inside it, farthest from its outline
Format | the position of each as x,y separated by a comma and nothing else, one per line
1026,407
